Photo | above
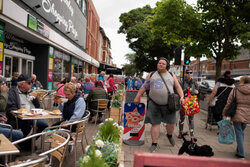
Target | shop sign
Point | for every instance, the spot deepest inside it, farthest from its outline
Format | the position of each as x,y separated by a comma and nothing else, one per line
1,51
32,23
14,43
1,31
42,29
50,75
51,51
50,86
50,63
65,15
37,26
1,68
1,6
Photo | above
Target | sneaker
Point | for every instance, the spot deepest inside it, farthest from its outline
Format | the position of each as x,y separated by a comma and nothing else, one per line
239,156
171,140
180,136
153,148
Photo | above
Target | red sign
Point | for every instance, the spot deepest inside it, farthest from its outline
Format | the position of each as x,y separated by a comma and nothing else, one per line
50,75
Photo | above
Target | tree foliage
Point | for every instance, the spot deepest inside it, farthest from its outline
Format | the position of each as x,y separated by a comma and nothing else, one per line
147,46
216,28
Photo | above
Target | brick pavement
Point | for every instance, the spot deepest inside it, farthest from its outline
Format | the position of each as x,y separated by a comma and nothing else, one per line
204,136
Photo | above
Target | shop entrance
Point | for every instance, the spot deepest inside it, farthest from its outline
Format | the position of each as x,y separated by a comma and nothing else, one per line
17,62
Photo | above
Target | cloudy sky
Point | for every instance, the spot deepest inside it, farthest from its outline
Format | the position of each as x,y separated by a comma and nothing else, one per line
109,12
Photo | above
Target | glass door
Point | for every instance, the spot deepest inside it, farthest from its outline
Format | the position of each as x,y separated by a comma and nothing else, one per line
29,67
8,65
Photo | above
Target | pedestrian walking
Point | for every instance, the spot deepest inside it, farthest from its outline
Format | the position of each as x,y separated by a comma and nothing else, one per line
189,84
158,100
221,90
242,115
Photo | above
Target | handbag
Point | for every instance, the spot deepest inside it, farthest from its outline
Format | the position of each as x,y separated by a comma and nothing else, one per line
191,104
173,99
214,100
226,133
233,105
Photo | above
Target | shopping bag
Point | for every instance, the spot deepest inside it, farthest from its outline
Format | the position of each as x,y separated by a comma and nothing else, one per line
226,133
190,105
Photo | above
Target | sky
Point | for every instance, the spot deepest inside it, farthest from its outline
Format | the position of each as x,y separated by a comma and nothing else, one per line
109,12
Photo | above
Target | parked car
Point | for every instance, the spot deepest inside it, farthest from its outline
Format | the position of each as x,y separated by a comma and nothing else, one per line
205,87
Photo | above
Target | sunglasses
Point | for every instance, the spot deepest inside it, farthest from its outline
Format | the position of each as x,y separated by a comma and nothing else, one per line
189,72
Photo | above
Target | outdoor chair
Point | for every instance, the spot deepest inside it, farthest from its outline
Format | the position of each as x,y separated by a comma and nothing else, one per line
9,127
101,107
77,135
58,145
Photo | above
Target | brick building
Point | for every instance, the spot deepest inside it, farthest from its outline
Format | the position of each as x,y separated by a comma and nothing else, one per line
238,67
92,43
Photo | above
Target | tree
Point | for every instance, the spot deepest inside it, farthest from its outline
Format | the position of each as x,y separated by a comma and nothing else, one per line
216,29
131,68
225,29
148,47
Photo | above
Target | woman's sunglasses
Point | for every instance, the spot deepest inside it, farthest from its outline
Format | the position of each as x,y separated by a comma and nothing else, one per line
189,72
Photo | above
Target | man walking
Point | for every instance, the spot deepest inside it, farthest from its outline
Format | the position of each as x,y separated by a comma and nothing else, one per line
158,99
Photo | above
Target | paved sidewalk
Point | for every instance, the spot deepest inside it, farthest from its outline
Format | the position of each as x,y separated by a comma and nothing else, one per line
204,136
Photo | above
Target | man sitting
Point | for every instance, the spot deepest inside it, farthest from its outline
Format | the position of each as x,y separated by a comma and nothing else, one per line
20,97
75,107
16,134
97,93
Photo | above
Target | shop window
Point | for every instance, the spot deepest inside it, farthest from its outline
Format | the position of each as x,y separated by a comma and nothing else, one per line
8,64
66,66
225,66
15,65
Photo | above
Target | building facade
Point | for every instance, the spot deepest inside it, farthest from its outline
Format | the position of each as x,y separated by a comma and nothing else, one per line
47,38
92,44
238,67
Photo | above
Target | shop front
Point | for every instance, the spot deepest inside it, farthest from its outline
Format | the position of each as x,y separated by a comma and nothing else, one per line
33,41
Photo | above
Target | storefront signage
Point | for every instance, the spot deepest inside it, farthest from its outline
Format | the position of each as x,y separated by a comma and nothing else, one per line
50,63
42,29
64,15
17,44
1,31
1,51
32,22
50,75
1,68
51,52
37,26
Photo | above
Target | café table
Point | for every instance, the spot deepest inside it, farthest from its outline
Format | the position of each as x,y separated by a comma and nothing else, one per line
34,118
7,148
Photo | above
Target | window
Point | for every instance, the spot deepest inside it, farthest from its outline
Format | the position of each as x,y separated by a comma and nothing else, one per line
79,3
225,66
248,64
84,7
235,66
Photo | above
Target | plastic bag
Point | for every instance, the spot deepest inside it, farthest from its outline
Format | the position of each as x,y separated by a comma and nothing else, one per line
191,104
226,133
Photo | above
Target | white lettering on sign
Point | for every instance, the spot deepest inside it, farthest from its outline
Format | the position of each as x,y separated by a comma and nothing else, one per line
67,2
50,8
13,46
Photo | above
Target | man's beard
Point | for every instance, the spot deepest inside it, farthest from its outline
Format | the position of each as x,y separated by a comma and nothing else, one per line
161,70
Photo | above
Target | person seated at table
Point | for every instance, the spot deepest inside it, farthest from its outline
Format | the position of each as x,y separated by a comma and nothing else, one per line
74,108
16,134
20,97
88,85
35,83
97,93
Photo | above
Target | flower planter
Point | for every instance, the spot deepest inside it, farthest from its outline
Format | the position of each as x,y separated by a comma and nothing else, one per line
115,113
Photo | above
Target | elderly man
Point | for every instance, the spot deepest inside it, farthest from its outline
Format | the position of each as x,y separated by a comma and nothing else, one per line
75,106
158,99
20,97
16,134
35,83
